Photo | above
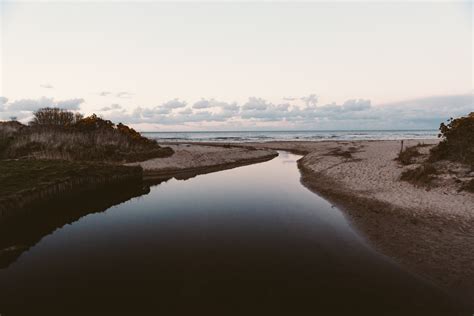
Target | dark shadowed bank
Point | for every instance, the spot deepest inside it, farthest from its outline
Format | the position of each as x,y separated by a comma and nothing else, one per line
26,228
28,182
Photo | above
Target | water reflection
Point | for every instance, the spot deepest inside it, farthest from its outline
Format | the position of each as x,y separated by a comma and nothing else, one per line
250,240
19,233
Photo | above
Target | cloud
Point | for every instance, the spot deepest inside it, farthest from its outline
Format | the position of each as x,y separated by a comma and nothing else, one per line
418,113
72,104
212,103
289,99
202,104
356,105
104,93
257,104
186,111
30,104
310,100
114,106
351,114
124,95
35,104
46,86
3,101
174,104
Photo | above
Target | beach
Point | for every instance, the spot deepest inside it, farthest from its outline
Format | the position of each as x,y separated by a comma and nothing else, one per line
191,159
428,230
247,238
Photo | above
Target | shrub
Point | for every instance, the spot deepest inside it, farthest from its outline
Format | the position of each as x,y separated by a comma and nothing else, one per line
458,141
406,156
420,176
59,134
55,117
469,186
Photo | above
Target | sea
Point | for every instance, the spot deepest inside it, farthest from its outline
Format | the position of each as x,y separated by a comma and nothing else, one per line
264,136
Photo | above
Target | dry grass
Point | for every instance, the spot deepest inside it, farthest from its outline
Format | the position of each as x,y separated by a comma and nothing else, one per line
420,176
104,145
469,186
407,156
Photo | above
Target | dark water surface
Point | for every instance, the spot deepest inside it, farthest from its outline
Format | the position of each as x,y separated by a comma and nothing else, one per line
250,240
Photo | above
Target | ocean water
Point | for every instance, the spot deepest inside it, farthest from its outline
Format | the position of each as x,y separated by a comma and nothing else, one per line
263,136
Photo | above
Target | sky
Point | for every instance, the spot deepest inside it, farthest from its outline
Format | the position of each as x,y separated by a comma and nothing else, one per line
162,66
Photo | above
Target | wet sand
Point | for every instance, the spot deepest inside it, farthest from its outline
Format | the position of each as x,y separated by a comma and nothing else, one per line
430,231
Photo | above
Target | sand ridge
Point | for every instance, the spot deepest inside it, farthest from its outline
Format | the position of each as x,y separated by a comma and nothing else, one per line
199,157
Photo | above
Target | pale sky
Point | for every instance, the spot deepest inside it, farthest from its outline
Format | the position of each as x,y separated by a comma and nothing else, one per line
230,65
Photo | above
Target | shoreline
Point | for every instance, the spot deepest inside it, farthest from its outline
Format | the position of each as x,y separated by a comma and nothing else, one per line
428,231
190,160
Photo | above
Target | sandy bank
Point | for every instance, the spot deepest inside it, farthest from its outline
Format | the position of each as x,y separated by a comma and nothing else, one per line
192,159
430,231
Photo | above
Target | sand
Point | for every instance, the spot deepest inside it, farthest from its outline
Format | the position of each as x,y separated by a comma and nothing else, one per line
192,159
428,230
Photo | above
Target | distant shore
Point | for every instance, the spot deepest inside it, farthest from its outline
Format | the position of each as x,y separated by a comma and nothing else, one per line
428,230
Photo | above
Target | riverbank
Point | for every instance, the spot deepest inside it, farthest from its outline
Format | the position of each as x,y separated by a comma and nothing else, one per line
189,160
428,230
26,183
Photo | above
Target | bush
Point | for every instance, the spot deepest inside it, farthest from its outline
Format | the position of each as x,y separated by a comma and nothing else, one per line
469,186
59,134
55,117
406,156
420,176
458,141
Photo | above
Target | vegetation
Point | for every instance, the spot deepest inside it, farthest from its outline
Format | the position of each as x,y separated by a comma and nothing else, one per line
27,182
420,176
55,117
60,134
456,146
469,186
17,176
407,156
458,141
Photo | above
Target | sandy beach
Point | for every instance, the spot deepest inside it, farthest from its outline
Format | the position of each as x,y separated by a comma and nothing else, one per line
428,230
190,160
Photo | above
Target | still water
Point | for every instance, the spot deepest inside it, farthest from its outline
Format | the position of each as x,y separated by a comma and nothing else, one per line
250,240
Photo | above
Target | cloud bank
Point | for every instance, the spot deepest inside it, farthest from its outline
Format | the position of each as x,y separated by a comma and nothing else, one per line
303,113
23,108
257,113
